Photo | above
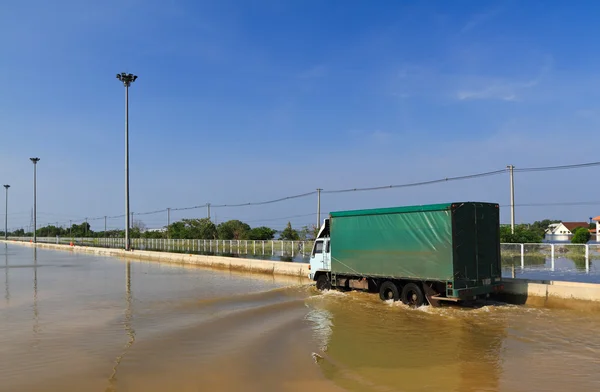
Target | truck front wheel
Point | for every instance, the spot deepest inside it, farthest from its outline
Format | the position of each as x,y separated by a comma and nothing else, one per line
413,295
323,282
388,290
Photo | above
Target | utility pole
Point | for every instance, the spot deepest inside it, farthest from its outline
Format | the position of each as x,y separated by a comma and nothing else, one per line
168,221
35,161
70,228
512,198
208,210
127,79
319,208
6,214
104,226
85,233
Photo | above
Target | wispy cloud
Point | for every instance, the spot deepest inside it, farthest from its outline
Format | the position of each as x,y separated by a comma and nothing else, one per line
503,89
479,20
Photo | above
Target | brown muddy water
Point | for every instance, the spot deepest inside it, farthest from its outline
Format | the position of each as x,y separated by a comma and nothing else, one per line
72,322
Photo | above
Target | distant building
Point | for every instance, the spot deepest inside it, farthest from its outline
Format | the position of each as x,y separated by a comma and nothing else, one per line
563,231
596,231
161,229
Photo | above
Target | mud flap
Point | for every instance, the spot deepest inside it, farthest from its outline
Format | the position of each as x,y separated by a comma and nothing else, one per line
431,296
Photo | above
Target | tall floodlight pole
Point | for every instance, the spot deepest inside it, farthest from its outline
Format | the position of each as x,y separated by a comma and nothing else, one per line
6,214
35,161
319,208
127,79
512,198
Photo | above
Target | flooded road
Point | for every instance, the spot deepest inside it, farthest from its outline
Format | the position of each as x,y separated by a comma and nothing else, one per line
71,322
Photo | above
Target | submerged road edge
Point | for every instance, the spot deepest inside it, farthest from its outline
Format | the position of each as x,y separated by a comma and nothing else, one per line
538,293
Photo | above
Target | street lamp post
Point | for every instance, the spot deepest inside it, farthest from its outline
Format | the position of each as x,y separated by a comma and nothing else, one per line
35,161
127,79
6,214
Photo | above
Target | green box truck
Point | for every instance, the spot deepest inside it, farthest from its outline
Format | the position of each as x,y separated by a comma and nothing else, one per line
416,254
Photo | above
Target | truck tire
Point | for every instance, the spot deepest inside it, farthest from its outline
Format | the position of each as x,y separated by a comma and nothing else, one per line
323,282
388,290
413,295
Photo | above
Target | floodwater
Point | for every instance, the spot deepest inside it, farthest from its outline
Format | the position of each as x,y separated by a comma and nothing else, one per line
72,322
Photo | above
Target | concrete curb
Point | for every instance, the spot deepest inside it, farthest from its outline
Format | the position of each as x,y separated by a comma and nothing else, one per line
552,293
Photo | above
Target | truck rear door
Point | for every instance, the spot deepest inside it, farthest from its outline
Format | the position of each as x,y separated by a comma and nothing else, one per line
476,241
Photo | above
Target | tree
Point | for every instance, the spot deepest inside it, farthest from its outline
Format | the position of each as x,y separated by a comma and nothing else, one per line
261,233
202,228
581,235
522,234
233,230
140,225
289,234
154,234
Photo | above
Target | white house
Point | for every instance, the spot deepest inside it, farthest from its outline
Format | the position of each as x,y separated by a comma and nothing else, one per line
563,231
597,220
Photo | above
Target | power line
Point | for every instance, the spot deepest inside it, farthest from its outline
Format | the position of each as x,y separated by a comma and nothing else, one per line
406,185
560,167
557,204
264,202
413,184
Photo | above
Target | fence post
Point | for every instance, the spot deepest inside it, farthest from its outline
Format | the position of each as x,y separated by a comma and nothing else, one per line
263,246
522,256
292,248
552,255
587,258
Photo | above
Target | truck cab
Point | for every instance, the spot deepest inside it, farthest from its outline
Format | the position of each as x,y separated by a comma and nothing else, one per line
320,256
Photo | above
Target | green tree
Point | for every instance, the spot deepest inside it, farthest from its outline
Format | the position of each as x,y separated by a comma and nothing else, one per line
309,232
82,230
261,233
177,230
522,234
203,229
154,234
233,230
539,227
289,234
581,235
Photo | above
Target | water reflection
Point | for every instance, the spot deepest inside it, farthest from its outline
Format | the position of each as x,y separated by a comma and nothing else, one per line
36,315
6,287
130,332
372,346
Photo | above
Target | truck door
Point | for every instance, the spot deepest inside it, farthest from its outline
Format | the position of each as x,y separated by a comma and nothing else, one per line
316,257
326,256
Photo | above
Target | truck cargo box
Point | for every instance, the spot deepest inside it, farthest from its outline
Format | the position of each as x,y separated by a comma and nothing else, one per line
456,242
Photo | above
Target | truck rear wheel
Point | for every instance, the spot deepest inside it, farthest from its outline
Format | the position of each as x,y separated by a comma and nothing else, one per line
413,295
388,290
323,282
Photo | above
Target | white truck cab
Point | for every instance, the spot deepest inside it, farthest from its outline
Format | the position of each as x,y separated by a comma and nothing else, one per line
320,257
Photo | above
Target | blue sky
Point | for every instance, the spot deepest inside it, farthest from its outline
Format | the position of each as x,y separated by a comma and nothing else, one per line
250,101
